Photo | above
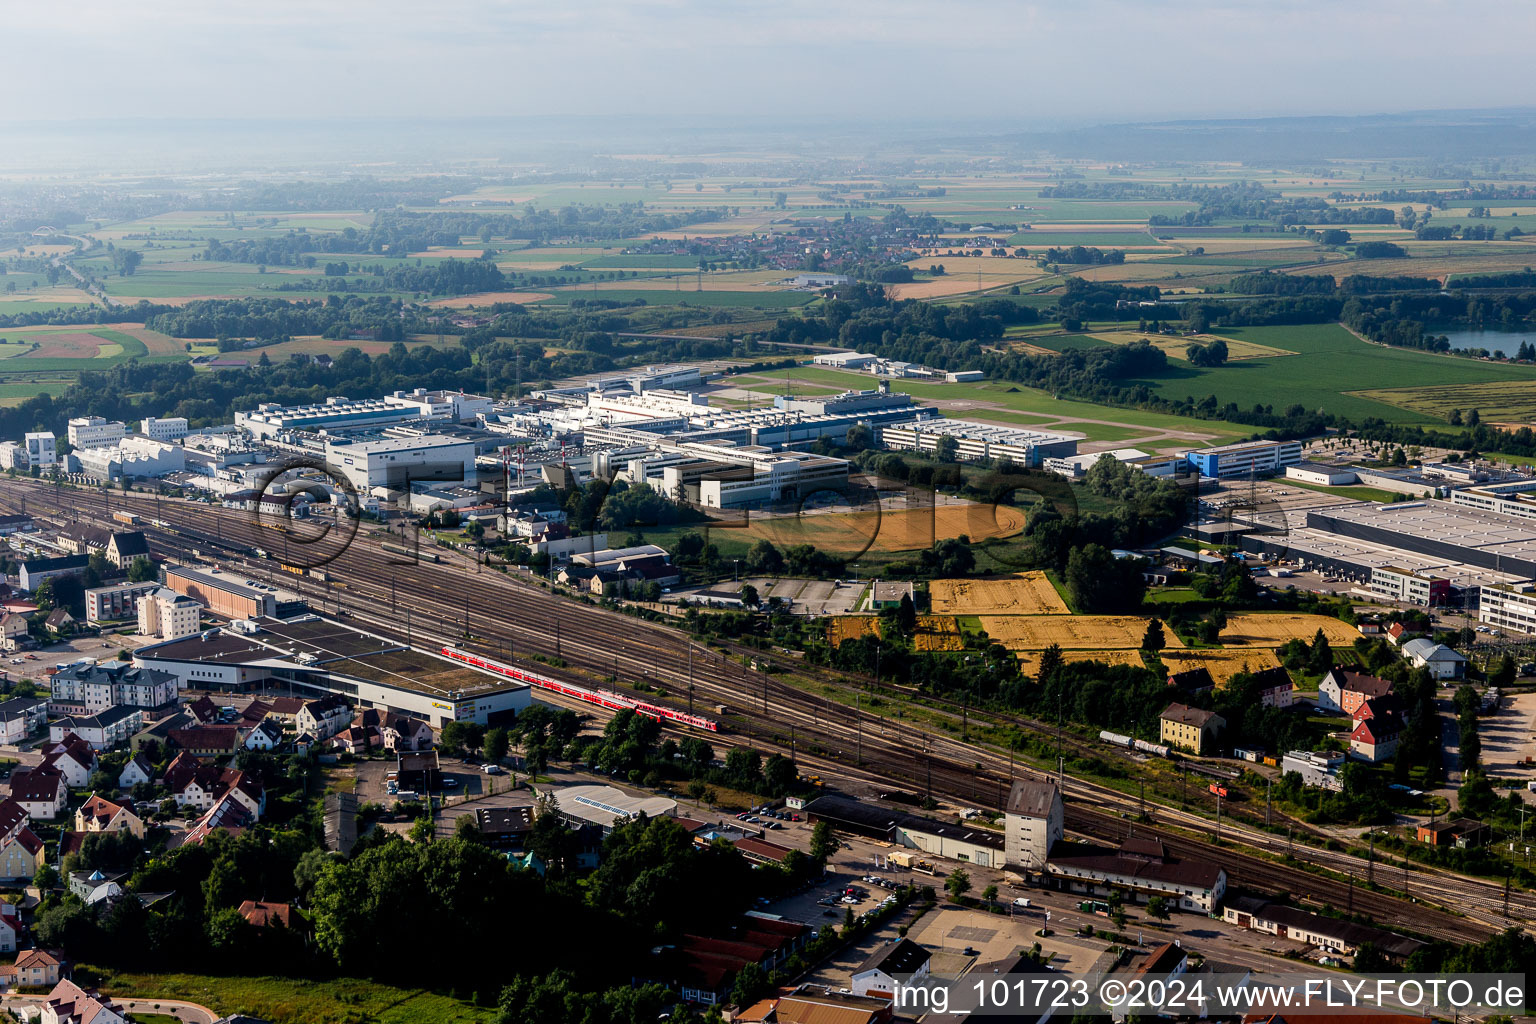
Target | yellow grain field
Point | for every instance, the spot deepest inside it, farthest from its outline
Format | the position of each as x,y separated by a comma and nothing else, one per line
1070,632
1271,630
1178,347
937,633
1028,593
1222,664
1029,661
843,533
850,627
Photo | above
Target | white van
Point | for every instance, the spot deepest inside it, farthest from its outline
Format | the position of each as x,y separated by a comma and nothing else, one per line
1021,902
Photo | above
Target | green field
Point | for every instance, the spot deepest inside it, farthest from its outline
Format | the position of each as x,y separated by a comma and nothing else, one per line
1045,239
1330,367
294,1000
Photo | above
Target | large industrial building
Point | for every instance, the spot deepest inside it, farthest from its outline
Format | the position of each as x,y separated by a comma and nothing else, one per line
342,414
397,462
312,656
1489,540
981,440
222,593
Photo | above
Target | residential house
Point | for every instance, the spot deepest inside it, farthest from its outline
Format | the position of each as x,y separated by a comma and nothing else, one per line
21,852
284,709
898,960
33,572
1462,833
228,815
75,760
1274,687
98,814
356,740
60,621
194,784
97,886
1191,729
267,915
254,714
137,770
1343,690
13,631
1442,662
204,710
267,735
8,927
1376,739
504,828
812,1004
20,717
40,791
207,740
36,968
397,732
103,730
68,1003
324,718
1193,682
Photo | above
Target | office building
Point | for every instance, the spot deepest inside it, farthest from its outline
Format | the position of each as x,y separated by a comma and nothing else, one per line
113,604
1391,583
1247,458
95,431
167,428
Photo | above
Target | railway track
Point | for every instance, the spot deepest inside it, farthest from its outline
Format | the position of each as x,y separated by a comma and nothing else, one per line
512,619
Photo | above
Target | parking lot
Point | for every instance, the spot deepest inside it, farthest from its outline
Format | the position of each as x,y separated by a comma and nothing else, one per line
33,665
1509,738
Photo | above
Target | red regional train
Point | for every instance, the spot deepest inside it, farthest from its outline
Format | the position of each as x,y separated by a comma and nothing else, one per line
612,701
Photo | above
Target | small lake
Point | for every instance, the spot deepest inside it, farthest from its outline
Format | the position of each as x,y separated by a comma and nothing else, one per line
1507,342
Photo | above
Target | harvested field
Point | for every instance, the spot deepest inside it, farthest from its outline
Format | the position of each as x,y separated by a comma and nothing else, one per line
67,345
1028,593
489,298
1029,661
842,533
1070,632
1176,348
1495,400
851,627
937,633
1222,664
1271,630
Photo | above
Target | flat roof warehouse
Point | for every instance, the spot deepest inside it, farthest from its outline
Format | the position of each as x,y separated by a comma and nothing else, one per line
324,657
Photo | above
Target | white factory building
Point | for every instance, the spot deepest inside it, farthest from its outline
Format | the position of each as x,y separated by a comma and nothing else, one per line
1075,466
133,456
397,462
981,440
341,414
168,428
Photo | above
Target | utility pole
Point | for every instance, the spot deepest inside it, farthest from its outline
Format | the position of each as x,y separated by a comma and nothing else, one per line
1269,785
858,722
1370,862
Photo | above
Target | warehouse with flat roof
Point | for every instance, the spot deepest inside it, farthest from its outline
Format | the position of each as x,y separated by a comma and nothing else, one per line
317,657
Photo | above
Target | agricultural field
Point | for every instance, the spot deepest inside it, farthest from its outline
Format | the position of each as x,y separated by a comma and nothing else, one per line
1327,370
851,627
1070,632
1271,629
850,534
1496,401
1029,661
937,633
1221,664
1175,347
1028,593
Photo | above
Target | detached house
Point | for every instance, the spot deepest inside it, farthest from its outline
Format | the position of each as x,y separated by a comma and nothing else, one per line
98,814
896,959
396,732
137,770
1376,739
14,633
324,718
200,786
36,968
206,740
1191,729
21,851
68,1003
267,735
40,791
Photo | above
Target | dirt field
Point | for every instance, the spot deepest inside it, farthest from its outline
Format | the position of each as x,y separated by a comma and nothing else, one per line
1222,665
937,633
1266,630
850,627
1028,593
1071,632
67,345
907,530
1029,661
489,298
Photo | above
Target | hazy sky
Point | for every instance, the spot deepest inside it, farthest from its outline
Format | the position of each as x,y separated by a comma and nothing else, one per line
882,59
